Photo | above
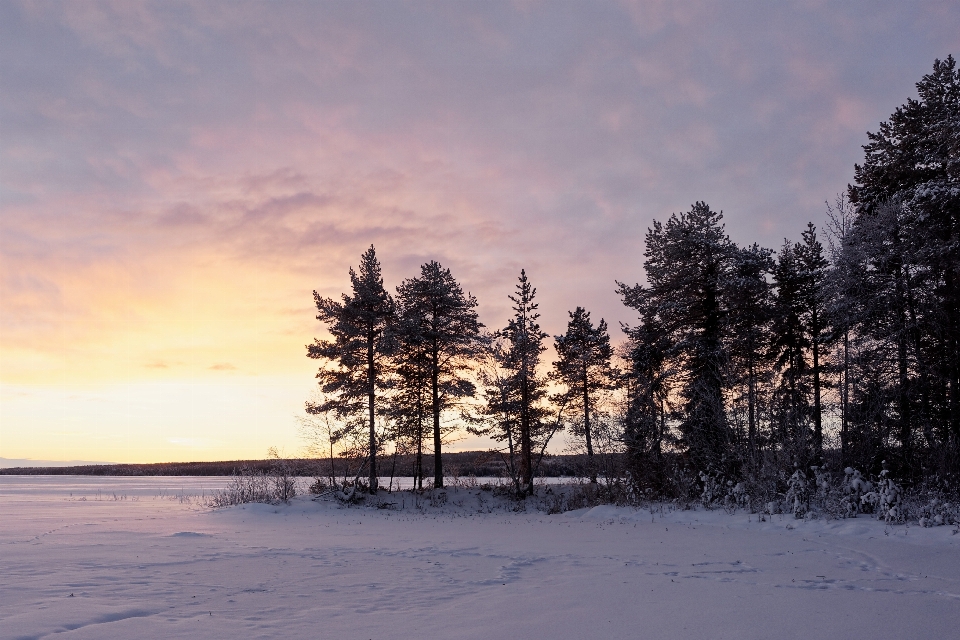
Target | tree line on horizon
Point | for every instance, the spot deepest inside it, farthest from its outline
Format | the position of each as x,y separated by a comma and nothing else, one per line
841,349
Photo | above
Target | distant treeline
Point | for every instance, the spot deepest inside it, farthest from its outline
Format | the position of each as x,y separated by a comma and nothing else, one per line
467,463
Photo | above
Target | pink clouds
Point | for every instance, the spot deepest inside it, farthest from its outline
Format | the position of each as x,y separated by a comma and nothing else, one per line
183,166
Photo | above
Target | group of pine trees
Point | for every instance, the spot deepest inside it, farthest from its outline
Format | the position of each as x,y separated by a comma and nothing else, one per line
841,349
409,369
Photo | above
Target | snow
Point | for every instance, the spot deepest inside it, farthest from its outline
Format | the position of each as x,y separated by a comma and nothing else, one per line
108,558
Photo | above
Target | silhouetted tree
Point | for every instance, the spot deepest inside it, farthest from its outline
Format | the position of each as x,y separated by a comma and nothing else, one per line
647,385
813,267
524,346
909,178
687,262
437,314
748,332
583,366
355,359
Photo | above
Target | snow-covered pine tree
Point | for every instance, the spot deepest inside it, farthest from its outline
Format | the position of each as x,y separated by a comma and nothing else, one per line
748,334
790,345
813,267
355,361
688,260
912,163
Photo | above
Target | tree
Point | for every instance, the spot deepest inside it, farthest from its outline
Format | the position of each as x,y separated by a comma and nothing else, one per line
647,382
437,314
583,366
790,344
687,262
355,360
525,340
748,328
813,296
497,417
409,404
913,164
842,283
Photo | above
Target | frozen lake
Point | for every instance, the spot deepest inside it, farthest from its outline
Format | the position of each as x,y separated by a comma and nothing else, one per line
96,557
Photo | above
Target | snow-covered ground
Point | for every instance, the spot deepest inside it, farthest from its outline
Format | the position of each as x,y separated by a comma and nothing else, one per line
142,558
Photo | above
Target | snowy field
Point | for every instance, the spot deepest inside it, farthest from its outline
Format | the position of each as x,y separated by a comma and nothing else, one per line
84,557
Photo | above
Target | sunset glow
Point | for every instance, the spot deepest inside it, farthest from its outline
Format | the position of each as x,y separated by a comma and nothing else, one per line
177,178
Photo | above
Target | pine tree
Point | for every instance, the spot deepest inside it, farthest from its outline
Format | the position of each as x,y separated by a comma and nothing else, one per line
687,262
498,415
409,403
790,344
355,360
913,164
813,291
437,314
525,340
647,384
583,366
748,325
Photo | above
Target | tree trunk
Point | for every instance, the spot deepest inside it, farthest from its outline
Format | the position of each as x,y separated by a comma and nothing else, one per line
435,390
371,381
586,426
751,409
526,445
513,466
953,367
393,468
418,473
845,403
817,412
922,372
903,373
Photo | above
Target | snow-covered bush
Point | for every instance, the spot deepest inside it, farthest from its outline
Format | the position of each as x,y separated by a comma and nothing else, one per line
718,491
737,497
281,476
797,498
854,488
823,482
886,498
936,513
319,486
933,503
352,493
713,488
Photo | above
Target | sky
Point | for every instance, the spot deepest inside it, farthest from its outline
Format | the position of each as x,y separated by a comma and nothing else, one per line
176,178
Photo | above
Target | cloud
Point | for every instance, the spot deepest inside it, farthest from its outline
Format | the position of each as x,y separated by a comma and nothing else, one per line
223,366
178,178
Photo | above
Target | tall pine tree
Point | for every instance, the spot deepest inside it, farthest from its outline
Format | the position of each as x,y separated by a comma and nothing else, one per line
583,366
355,360
748,326
525,340
439,315
912,163
687,262
813,267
